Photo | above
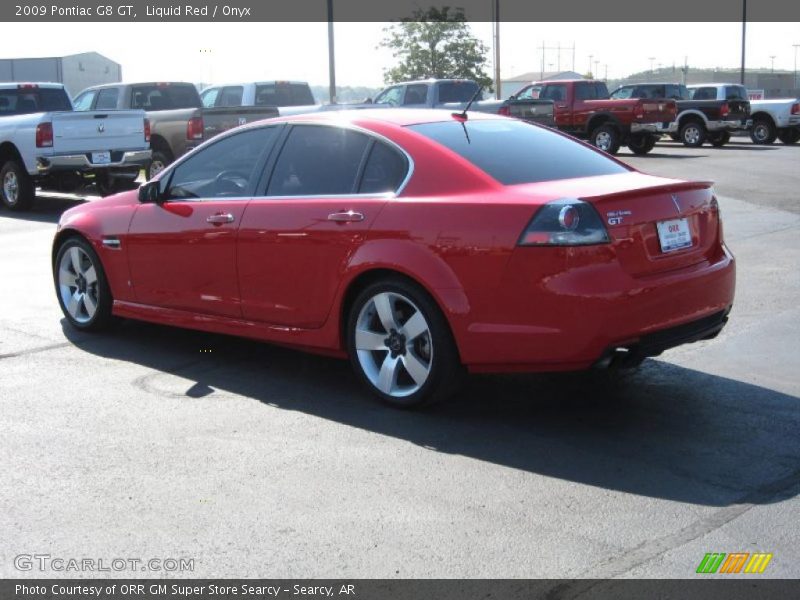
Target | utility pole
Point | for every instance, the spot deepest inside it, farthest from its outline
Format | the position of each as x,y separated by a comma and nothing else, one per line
596,68
589,70
605,77
496,19
651,59
795,46
744,30
331,61
772,64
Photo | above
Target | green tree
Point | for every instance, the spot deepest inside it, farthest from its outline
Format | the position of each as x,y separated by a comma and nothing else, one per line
435,43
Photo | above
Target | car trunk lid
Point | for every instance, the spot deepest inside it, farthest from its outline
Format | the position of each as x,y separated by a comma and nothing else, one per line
98,131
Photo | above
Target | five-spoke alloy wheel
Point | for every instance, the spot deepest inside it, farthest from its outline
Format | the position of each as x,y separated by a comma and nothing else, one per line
81,285
400,345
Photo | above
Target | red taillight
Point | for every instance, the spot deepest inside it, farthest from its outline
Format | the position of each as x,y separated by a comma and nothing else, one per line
795,108
27,86
505,111
194,128
147,130
725,109
44,135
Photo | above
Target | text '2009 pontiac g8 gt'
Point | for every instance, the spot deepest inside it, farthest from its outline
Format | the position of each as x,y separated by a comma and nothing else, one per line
419,244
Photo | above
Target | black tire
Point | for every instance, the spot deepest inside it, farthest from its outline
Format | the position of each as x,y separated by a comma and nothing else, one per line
97,290
692,133
158,162
16,187
108,183
606,137
641,143
434,349
718,140
789,135
763,132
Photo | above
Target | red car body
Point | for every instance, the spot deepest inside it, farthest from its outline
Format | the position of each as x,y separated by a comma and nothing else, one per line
283,273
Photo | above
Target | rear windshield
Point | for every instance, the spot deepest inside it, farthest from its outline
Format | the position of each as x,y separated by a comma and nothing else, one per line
735,92
33,100
284,94
165,96
514,152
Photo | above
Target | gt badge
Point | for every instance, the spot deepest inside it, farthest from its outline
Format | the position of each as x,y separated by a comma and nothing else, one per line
615,216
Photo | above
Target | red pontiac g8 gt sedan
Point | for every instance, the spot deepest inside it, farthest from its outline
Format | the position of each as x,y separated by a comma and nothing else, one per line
415,242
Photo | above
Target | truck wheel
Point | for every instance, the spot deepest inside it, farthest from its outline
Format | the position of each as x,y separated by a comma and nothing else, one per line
159,161
606,138
764,132
692,134
790,135
641,143
718,140
17,191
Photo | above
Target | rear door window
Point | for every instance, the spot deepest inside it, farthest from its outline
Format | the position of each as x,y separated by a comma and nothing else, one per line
318,160
457,91
704,93
416,94
231,96
384,171
107,99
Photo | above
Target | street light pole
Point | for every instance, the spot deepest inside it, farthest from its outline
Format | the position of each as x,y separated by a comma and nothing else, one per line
497,84
744,30
591,56
795,46
331,61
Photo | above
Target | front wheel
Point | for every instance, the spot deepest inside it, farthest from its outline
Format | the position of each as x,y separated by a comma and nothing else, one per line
81,286
789,135
606,138
400,345
17,191
641,143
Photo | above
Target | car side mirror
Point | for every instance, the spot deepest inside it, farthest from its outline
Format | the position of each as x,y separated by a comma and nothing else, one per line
367,100
512,97
149,192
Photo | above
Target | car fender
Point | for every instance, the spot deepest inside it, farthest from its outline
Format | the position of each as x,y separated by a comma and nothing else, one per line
691,112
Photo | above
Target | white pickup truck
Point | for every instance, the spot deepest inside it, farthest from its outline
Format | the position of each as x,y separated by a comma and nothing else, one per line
779,118
289,97
45,144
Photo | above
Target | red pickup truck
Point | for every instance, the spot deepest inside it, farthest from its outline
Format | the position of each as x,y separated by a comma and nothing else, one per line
583,109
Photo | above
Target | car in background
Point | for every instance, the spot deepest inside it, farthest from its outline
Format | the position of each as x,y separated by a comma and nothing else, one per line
454,95
178,122
583,109
289,97
45,144
773,119
337,233
699,119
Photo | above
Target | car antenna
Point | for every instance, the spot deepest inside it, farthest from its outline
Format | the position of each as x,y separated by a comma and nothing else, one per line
463,114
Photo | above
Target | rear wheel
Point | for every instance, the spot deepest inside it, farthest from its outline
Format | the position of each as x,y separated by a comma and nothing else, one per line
606,138
81,286
400,345
17,191
790,135
720,139
764,132
642,143
692,134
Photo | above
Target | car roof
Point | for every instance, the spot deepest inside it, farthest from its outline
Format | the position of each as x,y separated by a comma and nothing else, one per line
121,84
650,83
395,116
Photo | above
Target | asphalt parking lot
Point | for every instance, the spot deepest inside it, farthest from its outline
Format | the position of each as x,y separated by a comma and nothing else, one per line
260,461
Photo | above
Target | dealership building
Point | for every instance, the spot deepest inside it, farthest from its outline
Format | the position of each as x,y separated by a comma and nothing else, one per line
76,71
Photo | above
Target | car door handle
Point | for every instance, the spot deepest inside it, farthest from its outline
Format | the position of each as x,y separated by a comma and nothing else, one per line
561,106
220,218
346,216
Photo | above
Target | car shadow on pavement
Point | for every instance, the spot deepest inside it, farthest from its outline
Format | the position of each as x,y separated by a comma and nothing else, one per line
45,209
664,432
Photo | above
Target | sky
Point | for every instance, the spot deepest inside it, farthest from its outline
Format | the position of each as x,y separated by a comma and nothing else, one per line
228,52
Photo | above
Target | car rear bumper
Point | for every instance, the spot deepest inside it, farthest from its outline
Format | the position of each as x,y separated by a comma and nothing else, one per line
573,318
83,162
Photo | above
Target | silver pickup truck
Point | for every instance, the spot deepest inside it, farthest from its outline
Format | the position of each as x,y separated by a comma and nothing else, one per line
178,121
45,144
454,95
